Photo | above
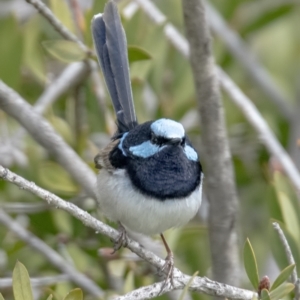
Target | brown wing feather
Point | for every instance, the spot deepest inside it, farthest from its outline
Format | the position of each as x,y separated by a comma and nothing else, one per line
102,158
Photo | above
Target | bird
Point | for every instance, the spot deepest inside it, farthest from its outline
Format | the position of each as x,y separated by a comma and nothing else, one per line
150,177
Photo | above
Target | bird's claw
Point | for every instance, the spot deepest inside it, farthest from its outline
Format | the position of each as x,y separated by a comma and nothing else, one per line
122,239
168,268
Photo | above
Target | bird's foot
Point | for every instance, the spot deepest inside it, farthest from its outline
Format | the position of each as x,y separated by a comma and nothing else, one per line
168,268
122,239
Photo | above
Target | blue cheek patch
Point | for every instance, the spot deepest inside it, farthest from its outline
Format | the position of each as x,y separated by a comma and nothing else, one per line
190,153
121,143
145,149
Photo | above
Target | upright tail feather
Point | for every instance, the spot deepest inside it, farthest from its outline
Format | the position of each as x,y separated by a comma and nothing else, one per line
111,47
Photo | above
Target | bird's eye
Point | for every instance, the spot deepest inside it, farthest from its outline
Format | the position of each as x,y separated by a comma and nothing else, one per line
154,139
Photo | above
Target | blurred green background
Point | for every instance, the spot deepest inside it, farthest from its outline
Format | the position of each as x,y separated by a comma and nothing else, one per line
162,86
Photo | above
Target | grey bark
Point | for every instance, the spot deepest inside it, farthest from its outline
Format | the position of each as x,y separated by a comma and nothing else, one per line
41,130
218,169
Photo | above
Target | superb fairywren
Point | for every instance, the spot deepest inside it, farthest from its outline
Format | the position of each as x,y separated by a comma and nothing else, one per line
150,176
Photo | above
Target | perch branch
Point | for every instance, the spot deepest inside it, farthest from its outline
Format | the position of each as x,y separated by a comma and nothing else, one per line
199,284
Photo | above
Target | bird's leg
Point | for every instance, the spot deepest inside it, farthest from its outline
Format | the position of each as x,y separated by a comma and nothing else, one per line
122,238
169,264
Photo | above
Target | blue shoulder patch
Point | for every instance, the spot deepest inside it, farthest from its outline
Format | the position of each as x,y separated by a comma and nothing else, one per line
146,149
167,128
190,153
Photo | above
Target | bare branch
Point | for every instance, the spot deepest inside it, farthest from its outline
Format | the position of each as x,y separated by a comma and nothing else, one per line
56,260
242,53
24,208
219,174
260,125
58,26
71,76
14,105
290,258
199,284
37,282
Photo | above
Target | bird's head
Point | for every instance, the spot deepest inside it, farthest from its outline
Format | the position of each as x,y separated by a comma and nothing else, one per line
151,138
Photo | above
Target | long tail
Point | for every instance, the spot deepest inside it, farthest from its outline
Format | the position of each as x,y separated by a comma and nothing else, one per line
111,47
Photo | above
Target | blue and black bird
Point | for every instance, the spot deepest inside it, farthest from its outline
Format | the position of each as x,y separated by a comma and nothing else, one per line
150,175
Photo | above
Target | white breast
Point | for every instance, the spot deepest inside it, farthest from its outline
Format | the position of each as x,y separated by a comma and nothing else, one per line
120,201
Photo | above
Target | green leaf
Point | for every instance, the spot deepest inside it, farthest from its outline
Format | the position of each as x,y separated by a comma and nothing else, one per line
49,297
1,297
66,51
265,295
289,215
250,264
129,282
75,294
182,295
281,291
56,179
63,13
63,128
33,53
136,53
283,276
21,283
11,51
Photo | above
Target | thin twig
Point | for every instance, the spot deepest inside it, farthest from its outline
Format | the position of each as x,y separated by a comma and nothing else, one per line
290,258
37,282
41,130
24,208
56,260
199,284
58,25
246,58
71,76
260,125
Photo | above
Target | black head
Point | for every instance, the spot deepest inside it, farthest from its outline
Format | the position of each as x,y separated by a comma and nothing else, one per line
159,159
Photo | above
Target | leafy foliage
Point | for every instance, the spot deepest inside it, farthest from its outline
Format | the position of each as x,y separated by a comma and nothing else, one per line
22,287
250,264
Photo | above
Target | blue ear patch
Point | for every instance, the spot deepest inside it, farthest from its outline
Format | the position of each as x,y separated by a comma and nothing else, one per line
167,128
120,146
146,149
190,153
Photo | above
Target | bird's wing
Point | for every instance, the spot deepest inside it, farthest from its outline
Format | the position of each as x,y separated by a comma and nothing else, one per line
111,47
